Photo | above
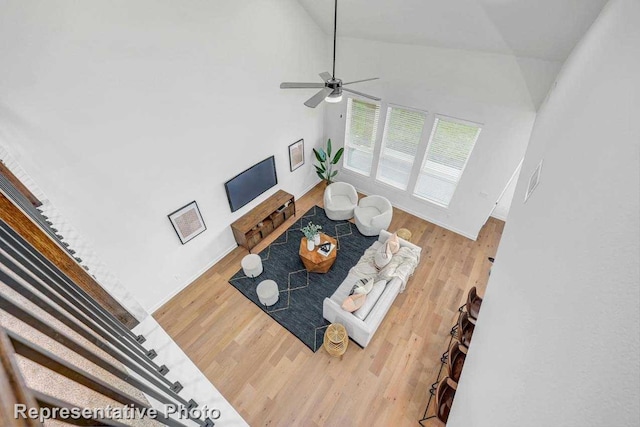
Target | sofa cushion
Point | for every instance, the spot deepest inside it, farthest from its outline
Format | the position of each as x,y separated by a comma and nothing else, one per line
367,213
339,202
372,298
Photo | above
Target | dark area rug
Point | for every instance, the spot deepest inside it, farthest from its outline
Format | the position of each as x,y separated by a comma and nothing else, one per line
299,308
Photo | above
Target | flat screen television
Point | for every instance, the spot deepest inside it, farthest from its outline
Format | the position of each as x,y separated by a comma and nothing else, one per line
247,185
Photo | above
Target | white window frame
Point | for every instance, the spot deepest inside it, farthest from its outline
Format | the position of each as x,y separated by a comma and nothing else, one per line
438,117
400,155
372,150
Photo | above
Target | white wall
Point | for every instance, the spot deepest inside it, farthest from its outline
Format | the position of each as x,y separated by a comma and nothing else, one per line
481,87
557,340
125,111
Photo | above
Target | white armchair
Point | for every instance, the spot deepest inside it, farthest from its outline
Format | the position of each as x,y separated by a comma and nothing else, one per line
373,214
340,199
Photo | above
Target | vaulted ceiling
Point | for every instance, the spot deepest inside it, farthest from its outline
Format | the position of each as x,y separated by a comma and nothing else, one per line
543,29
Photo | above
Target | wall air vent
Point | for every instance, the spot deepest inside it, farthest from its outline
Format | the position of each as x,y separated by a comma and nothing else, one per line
534,179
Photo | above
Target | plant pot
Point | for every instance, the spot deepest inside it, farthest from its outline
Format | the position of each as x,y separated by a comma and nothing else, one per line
310,245
316,239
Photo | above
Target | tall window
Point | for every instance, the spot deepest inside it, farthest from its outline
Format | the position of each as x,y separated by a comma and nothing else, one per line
402,131
360,135
449,148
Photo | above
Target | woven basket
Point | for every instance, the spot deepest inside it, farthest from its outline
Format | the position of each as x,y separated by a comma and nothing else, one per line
405,234
336,339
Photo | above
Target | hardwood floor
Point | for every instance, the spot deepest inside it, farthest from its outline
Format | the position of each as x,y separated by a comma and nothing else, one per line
273,379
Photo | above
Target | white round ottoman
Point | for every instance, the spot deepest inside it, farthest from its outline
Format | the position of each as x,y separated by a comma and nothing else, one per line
268,293
251,265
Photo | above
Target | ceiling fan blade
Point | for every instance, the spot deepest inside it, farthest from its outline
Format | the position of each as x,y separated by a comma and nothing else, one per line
331,85
325,76
290,85
316,99
361,94
360,81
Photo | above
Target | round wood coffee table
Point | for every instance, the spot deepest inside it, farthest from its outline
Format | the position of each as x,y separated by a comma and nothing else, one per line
315,262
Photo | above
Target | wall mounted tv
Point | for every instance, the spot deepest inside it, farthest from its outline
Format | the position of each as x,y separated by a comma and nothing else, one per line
247,185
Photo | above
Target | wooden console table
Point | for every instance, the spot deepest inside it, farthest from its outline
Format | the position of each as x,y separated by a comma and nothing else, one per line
262,220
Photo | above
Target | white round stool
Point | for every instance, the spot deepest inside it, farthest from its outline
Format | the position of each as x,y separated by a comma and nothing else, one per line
251,265
268,293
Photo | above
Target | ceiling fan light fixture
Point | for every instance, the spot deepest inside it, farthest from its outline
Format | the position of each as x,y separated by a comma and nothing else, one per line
334,98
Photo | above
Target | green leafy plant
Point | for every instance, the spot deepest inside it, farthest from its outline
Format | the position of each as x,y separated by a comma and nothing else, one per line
326,162
310,230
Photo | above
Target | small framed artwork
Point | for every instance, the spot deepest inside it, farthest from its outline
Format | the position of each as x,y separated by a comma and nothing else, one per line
187,222
296,155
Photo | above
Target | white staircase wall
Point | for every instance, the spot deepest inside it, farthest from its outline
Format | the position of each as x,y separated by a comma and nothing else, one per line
557,342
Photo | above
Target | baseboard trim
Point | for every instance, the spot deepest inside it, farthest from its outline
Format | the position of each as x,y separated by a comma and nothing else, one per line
193,278
203,270
473,237
500,217
306,190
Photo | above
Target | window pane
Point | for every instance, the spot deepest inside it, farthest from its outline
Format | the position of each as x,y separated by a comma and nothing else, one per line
449,148
360,135
402,131
358,160
394,171
435,189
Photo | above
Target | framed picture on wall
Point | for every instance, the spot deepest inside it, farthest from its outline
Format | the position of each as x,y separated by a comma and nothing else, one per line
187,221
296,155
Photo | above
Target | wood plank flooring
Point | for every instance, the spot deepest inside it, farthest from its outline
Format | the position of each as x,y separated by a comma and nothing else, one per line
272,379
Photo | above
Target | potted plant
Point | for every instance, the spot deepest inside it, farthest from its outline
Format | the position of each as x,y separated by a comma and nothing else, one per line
326,162
312,233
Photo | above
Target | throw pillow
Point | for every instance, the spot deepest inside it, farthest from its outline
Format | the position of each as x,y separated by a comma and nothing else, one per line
354,302
382,256
362,286
393,243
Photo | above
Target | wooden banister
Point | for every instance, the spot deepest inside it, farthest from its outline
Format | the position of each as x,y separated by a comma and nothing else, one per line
4,170
29,231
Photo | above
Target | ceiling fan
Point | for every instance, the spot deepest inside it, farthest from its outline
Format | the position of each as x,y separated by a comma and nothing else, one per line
331,89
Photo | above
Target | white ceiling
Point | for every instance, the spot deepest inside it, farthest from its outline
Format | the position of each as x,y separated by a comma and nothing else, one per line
544,29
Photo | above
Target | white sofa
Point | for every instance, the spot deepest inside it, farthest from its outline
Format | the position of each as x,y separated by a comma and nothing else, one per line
361,330
373,213
340,199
